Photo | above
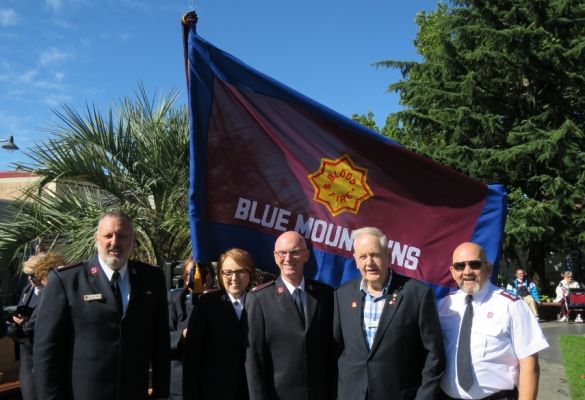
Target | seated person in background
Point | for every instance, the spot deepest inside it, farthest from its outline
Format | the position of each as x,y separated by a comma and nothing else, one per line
524,288
562,291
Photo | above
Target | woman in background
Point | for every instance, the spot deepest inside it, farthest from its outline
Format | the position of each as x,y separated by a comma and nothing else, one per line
37,268
215,344
180,307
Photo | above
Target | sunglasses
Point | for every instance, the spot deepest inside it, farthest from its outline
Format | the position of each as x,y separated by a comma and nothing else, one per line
460,266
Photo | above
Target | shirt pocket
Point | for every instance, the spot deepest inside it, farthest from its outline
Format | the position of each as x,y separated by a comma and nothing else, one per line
486,338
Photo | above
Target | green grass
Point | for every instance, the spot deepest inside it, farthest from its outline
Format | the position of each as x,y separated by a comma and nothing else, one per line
573,351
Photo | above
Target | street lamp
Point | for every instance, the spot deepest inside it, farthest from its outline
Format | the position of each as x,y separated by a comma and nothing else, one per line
9,145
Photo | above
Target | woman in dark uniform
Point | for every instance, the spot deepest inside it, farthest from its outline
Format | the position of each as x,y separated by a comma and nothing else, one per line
215,344
37,268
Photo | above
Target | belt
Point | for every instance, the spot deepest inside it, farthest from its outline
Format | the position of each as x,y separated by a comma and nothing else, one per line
502,395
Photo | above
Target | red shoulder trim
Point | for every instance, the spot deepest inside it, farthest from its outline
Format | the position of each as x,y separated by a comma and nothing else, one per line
64,267
262,286
509,295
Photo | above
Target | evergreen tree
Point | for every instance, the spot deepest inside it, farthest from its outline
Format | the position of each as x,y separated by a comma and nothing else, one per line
500,95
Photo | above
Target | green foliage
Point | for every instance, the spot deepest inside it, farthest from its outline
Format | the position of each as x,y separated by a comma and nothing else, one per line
366,120
500,95
572,350
135,159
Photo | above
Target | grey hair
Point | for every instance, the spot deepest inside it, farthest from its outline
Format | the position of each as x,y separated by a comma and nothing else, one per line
369,230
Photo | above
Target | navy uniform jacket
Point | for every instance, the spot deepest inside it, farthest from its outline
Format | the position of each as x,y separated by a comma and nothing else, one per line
180,306
284,360
407,358
215,350
82,349
23,335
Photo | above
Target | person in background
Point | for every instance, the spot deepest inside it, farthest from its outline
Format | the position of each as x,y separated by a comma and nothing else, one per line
215,345
491,338
290,324
386,328
562,291
526,289
37,268
102,331
181,301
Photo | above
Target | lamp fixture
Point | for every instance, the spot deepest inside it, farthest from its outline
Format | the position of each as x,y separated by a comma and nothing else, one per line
9,144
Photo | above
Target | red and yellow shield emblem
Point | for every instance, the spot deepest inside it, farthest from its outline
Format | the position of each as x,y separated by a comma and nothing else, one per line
340,185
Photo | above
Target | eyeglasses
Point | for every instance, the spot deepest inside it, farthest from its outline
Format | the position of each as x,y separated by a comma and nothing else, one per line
228,273
292,253
474,265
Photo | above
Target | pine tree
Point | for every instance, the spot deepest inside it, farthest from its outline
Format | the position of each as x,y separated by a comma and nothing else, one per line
500,95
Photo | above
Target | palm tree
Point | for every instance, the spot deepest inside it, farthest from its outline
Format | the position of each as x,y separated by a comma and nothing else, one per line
135,160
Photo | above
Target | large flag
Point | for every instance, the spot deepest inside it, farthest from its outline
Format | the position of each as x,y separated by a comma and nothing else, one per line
266,159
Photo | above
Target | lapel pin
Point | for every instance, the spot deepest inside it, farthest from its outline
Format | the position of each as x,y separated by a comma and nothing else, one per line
279,290
93,297
93,271
394,298
353,304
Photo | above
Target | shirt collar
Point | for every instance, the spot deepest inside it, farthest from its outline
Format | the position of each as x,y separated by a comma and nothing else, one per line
109,271
240,300
364,290
291,288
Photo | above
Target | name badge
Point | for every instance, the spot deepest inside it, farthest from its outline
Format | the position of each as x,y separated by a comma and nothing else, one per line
371,324
93,297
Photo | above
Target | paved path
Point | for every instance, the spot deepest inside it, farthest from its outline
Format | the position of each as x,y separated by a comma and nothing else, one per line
553,382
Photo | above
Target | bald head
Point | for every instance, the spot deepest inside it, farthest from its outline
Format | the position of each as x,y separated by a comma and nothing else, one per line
290,254
470,268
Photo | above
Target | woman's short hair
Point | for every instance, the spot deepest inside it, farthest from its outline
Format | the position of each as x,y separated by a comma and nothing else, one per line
240,257
41,264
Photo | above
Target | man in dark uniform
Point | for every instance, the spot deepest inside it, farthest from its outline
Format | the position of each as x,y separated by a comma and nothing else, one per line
103,323
290,353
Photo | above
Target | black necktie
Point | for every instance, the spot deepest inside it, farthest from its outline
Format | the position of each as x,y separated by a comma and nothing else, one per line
464,366
115,285
299,304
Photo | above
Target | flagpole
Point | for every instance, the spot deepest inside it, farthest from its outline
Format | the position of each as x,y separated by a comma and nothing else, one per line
186,21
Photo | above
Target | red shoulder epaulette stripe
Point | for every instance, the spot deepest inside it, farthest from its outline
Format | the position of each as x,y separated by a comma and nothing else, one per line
262,286
64,267
509,295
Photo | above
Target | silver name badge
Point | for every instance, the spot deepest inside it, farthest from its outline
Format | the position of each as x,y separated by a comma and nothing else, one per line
93,297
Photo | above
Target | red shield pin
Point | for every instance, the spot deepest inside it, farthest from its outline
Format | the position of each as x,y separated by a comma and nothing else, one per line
93,271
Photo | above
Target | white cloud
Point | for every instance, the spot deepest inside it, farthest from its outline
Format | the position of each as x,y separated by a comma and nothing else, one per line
54,5
7,17
59,76
52,56
54,100
28,76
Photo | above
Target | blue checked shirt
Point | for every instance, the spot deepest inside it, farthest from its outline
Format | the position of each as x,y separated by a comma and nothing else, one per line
372,311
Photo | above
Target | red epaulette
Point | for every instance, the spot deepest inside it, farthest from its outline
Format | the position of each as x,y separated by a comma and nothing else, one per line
509,295
64,267
262,286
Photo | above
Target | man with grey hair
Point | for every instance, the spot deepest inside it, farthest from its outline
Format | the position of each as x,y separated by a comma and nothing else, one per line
386,329
103,324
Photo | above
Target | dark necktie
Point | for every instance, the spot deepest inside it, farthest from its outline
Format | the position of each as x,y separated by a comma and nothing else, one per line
464,366
115,285
299,303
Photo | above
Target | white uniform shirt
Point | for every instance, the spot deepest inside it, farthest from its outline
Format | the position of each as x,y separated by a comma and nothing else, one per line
503,331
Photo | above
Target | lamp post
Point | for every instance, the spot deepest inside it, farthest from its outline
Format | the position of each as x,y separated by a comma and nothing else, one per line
9,144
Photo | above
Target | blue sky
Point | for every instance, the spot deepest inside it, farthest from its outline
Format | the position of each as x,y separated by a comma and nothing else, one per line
56,52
